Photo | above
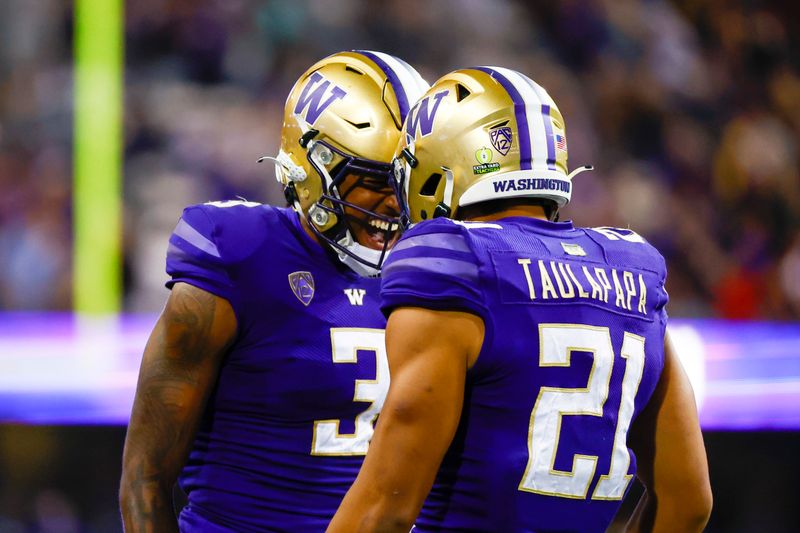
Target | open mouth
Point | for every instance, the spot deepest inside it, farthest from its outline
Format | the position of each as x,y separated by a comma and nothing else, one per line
375,232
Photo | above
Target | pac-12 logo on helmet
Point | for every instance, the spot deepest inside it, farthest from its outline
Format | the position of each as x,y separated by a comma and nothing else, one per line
501,137
318,94
420,118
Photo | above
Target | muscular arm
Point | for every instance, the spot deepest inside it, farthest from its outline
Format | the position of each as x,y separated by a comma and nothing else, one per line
429,354
179,369
671,457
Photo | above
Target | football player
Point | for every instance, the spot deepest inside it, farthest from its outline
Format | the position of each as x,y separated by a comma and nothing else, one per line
529,359
264,374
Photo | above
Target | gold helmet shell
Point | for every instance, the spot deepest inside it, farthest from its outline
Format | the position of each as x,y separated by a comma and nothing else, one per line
344,114
477,135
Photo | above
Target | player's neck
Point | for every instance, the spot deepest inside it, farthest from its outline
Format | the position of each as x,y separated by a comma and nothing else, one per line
521,210
307,228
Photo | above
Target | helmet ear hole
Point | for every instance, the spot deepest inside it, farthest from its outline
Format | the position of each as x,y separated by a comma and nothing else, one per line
359,125
431,184
461,92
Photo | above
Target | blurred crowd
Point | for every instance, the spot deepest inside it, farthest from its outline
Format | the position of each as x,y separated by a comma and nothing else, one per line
687,109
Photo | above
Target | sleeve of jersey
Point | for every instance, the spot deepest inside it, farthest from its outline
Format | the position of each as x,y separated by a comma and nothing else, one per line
435,268
194,256
663,296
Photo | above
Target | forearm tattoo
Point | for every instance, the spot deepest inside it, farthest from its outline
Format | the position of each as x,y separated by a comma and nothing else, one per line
177,372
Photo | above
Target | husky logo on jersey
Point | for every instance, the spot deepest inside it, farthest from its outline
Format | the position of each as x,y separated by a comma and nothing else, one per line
318,94
302,284
421,117
501,139
356,296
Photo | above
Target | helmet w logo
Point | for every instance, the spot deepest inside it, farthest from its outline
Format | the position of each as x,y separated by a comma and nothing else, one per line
421,117
318,94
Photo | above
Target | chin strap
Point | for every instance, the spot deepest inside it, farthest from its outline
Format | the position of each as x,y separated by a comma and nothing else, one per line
368,254
444,208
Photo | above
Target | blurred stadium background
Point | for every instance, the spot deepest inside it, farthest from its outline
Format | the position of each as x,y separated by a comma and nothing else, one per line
689,110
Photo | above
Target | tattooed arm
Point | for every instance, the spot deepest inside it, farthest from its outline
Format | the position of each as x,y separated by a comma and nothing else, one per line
179,369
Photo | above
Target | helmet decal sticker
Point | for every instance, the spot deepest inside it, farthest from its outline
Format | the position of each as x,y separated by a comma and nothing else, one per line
484,156
502,139
422,115
561,142
316,97
548,128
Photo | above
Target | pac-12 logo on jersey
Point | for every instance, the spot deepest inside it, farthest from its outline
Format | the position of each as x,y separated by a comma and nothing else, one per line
420,118
356,296
318,94
302,284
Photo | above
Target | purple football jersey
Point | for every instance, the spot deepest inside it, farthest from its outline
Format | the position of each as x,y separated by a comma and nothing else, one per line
292,413
573,349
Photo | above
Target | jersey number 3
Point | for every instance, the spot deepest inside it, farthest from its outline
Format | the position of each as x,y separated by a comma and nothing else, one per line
556,343
346,343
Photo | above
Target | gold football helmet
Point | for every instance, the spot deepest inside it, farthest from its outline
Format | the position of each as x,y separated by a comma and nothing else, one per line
344,117
481,134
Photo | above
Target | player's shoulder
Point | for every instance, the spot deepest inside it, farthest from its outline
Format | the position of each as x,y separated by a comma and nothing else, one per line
446,225
622,239
440,245
235,214
446,233
236,217
428,236
434,266
228,230
624,245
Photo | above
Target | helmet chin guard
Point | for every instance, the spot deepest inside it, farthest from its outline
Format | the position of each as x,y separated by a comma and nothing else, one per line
327,217
359,258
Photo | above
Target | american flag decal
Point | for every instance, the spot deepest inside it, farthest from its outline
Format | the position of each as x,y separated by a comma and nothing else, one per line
561,142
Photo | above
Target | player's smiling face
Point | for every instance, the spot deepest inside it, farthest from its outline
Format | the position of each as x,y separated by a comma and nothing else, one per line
373,194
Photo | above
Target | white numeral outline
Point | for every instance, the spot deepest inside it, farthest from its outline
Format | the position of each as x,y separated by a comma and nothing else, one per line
345,344
556,344
612,485
615,234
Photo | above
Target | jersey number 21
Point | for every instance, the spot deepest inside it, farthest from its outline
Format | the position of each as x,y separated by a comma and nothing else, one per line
556,343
